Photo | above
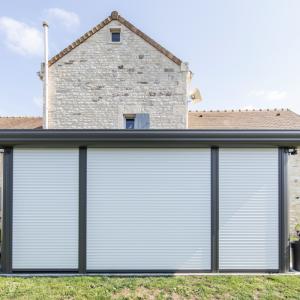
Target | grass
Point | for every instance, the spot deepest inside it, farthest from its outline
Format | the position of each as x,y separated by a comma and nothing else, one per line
190,287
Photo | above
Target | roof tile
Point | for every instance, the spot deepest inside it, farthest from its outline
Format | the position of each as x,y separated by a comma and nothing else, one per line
244,119
21,122
227,119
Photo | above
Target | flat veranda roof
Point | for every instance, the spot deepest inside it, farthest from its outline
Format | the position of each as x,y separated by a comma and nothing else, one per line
145,138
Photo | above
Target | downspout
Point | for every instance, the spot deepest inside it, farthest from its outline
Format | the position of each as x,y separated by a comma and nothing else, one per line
45,77
187,76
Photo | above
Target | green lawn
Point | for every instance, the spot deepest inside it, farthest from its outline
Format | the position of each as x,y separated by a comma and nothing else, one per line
191,287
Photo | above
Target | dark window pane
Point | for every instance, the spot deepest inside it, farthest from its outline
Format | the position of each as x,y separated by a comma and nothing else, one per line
115,37
129,123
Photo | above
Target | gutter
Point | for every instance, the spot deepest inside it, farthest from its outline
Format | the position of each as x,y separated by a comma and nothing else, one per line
165,138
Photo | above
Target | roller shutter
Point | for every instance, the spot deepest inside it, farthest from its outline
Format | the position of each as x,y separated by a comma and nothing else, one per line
148,209
45,209
248,209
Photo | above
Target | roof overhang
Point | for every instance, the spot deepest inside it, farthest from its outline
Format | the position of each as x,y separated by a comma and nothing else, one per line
153,138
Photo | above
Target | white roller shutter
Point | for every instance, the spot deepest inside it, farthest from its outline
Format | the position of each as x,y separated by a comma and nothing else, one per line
248,209
148,209
45,209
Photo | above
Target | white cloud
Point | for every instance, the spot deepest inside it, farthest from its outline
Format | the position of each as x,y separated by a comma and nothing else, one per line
38,101
269,95
66,18
20,37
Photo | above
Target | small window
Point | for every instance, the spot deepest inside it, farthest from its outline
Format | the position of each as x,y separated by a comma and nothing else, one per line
137,121
115,35
129,123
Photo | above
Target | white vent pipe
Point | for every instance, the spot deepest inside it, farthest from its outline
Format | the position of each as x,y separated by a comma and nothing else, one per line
45,77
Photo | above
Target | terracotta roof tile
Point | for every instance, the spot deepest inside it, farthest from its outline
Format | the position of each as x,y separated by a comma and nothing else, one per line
21,122
229,119
244,119
114,16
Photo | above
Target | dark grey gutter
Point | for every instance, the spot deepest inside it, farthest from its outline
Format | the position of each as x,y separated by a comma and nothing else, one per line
163,137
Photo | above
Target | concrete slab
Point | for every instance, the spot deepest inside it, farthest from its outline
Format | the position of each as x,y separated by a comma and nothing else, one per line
26,275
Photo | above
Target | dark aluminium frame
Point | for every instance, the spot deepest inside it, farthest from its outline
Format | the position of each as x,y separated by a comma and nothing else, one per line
82,268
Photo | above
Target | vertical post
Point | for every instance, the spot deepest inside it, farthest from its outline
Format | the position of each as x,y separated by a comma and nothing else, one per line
6,258
215,209
284,248
82,209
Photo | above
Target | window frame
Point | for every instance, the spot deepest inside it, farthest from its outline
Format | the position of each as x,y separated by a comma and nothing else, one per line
127,118
113,30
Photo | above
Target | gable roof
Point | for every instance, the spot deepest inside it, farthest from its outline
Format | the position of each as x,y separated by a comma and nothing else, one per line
21,122
114,16
244,119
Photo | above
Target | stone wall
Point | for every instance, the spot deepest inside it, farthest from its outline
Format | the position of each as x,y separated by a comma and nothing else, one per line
294,189
95,84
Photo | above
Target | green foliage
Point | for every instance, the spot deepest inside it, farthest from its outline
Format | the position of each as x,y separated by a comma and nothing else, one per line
178,287
296,237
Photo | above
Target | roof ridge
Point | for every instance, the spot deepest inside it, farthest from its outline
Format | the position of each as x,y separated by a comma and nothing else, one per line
114,16
242,110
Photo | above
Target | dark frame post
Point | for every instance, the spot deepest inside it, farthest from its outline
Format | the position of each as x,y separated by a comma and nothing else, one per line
6,259
82,209
215,209
284,247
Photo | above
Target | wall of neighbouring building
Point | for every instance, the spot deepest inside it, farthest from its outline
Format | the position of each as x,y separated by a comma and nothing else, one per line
294,189
98,82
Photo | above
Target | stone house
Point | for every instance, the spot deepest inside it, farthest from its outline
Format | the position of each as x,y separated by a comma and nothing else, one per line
115,73
116,77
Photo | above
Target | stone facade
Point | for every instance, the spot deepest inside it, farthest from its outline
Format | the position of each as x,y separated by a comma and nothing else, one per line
98,82
294,189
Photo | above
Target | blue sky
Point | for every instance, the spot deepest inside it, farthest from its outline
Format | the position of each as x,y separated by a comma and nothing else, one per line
244,54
